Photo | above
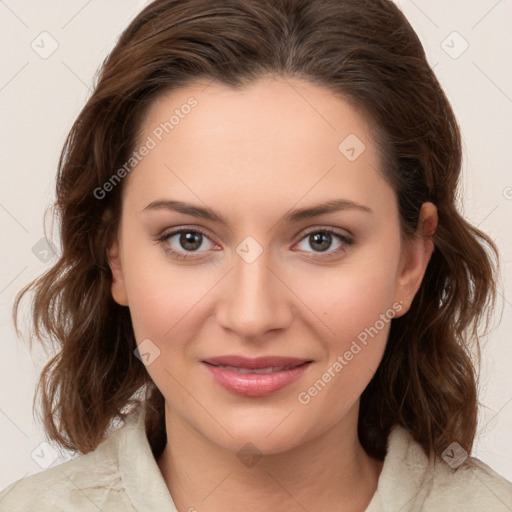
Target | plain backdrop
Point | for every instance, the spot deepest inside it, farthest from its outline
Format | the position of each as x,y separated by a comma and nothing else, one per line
50,52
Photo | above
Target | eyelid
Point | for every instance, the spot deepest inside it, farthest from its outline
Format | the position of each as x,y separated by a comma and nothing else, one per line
166,233
329,229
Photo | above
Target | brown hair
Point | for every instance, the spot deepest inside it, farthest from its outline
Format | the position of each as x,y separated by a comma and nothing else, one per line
362,50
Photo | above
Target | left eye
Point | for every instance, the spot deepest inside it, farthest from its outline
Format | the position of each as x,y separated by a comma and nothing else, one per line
321,240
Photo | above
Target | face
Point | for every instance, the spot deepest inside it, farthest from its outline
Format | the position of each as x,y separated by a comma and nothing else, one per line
258,224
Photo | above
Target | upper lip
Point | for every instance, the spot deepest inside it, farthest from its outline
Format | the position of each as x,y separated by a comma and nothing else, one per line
254,363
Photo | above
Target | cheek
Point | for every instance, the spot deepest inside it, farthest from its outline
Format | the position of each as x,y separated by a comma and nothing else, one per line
355,308
351,297
161,293
162,303
359,315
165,305
357,303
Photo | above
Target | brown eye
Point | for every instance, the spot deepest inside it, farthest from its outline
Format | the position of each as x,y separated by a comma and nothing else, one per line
320,241
185,243
190,240
325,241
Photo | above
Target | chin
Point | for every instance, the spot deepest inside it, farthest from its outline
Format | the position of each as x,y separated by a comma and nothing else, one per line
270,435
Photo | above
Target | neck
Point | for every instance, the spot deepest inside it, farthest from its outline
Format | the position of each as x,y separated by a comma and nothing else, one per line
329,472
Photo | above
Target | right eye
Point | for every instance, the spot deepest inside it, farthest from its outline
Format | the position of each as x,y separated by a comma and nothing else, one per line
182,243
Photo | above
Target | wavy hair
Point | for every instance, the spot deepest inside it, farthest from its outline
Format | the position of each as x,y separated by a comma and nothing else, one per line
366,52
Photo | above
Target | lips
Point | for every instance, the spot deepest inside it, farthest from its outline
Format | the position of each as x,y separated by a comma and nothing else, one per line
255,377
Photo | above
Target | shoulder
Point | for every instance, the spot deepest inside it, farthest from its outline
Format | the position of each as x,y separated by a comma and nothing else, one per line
474,484
85,483
454,482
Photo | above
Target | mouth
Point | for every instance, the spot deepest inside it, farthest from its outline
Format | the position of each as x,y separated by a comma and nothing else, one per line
255,377
265,362
270,369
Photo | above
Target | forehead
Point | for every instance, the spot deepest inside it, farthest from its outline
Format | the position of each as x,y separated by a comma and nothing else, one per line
274,139
278,110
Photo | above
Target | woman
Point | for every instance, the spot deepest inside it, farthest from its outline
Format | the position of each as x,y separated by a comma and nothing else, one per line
264,275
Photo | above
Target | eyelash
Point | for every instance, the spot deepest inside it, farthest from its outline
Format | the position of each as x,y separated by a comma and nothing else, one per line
164,237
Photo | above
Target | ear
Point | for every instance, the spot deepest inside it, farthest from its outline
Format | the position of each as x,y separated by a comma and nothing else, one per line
118,286
416,254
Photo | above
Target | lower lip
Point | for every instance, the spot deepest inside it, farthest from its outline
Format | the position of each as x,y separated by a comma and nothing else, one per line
255,384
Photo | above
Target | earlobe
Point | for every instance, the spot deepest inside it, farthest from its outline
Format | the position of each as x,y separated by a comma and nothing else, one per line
415,258
118,286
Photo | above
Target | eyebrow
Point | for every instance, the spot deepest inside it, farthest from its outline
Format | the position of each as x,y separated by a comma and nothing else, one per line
291,217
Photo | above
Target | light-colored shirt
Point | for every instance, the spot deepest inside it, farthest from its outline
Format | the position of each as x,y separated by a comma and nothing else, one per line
122,475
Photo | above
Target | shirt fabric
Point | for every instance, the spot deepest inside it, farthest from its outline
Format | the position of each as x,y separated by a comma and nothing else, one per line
122,475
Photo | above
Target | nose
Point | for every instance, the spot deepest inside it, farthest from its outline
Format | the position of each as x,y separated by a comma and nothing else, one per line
254,300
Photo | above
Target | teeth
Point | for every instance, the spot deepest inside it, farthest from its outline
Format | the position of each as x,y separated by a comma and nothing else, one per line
271,369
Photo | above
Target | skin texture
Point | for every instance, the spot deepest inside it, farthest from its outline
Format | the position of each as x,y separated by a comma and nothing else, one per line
253,155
